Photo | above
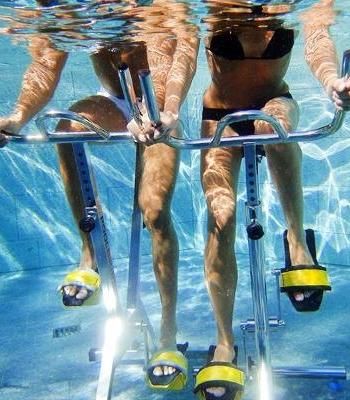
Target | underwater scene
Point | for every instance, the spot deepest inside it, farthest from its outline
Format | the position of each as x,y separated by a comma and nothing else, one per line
131,242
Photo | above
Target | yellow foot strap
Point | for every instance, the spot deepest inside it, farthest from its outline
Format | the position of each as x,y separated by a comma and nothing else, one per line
174,381
304,277
220,374
82,278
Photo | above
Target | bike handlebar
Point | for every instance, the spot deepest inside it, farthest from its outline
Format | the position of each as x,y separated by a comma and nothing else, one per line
97,133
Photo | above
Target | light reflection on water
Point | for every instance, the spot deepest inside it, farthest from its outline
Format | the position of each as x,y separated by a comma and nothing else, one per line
86,25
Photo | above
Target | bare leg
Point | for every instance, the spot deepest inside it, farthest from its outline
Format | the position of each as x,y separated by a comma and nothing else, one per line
284,162
159,171
220,169
103,112
160,165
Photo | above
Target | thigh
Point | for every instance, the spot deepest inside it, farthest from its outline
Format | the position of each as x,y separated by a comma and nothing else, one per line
219,172
98,109
158,175
284,109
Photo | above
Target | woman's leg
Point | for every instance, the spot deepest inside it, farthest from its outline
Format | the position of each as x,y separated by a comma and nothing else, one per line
220,169
103,112
284,161
159,170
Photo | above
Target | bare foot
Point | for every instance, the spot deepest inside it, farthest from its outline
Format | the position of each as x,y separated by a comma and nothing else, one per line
163,370
167,343
76,291
299,255
223,354
78,287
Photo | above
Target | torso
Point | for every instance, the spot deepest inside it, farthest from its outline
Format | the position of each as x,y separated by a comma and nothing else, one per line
247,64
106,64
147,45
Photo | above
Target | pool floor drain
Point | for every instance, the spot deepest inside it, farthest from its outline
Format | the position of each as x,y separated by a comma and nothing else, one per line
66,331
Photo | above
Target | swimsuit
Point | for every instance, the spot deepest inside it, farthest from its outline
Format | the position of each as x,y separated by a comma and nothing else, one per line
243,128
227,45
120,103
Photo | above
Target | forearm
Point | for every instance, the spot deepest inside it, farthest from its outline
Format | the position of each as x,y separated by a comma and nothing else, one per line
39,82
321,56
181,73
320,50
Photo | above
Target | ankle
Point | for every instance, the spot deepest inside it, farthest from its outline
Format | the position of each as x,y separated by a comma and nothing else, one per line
224,352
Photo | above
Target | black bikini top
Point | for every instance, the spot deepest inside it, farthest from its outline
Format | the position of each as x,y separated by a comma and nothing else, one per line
228,46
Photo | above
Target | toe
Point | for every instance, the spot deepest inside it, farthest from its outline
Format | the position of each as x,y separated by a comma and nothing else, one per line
216,391
73,295
299,296
82,294
164,370
168,370
158,371
70,290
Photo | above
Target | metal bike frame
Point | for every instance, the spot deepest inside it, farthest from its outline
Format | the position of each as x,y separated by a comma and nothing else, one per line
261,321
257,273
134,319
101,249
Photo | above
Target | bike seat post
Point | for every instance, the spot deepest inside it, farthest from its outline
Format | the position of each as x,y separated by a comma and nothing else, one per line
257,274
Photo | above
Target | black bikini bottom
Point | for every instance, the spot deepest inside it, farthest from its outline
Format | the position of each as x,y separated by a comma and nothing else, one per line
243,128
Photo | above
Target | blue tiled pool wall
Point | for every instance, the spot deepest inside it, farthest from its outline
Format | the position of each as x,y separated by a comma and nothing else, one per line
37,229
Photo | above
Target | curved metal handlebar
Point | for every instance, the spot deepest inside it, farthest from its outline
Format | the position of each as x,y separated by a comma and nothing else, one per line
250,115
42,120
97,133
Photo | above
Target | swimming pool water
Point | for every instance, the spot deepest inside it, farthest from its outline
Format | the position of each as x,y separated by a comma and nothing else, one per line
37,229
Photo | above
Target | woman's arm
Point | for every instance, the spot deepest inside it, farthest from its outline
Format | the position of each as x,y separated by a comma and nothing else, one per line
38,85
321,53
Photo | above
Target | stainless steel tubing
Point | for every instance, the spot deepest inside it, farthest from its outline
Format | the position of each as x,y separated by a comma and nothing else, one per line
135,240
71,116
256,256
249,324
296,136
136,219
250,115
127,85
134,304
129,92
188,144
97,134
257,273
277,274
101,250
312,372
149,96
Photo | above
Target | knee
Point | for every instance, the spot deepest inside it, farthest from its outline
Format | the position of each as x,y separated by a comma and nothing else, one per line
283,151
155,217
222,221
